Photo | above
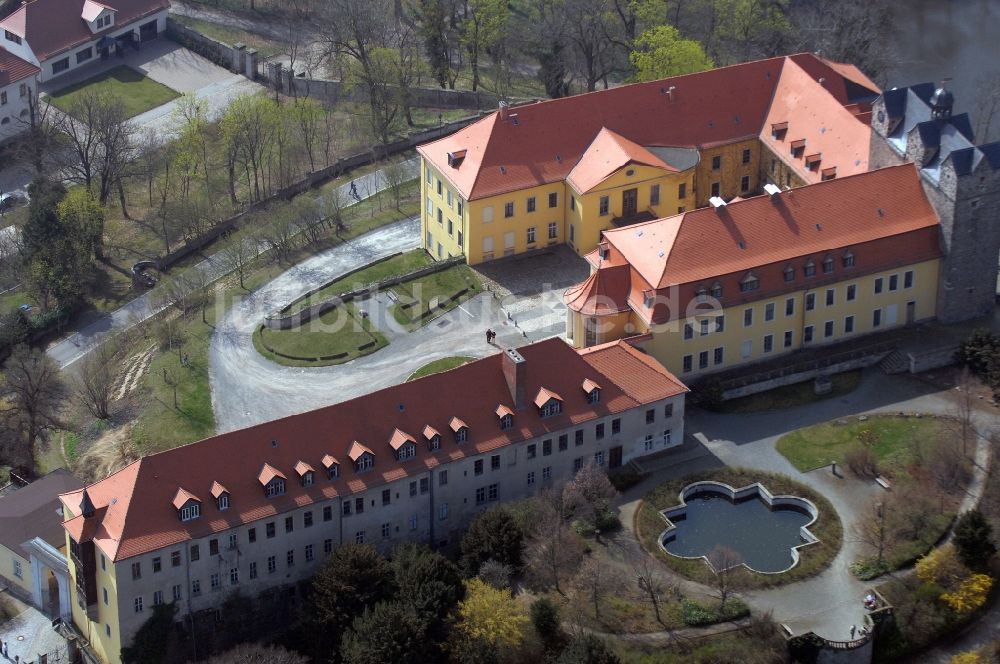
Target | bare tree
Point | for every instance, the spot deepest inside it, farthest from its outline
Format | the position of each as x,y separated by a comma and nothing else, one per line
987,108
595,580
172,377
872,529
33,391
651,583
395,177
97,373
239,253
554,550
725,564
964,409
590,493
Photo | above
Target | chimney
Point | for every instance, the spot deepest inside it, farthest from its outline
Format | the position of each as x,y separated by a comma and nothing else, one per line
503,111
513,371
771,189
86,505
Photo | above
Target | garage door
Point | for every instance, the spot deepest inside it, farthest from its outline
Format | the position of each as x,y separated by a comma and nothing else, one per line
147,31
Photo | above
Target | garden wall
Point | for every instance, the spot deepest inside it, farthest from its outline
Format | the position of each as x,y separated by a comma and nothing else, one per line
282,322
933,359
802,376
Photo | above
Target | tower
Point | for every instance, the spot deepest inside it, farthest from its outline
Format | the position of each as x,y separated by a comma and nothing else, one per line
962,181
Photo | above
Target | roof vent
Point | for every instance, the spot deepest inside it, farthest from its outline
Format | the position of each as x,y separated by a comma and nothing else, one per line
669,92
638,233
711,124
771,189
503,170
881,213
717,202
661,254
455,158
274,442
818,227
559,157
741,244
402,408
736,120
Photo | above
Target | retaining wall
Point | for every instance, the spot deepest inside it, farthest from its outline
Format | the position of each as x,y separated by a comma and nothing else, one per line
802,376
282,322
933,359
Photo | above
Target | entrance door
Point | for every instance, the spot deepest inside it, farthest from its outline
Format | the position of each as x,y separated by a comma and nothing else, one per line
630,198
892,314
615,457
911,312
147,31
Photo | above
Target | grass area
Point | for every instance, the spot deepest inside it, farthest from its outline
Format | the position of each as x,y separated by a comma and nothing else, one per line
395,266
340,335
421,300
137,92
437,366
649,525
892,441
789,396
265,46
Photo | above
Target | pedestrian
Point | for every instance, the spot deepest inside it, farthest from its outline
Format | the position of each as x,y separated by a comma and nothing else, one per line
489,334
493,336
853,628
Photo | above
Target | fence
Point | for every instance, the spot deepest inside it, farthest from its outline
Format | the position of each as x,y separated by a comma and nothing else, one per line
238,59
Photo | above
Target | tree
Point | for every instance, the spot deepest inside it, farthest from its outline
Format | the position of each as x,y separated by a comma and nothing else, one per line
249,127
661,52
589,495
426,581
307,122
545,618
238,253
652,584
964,410
492,535
872,530
725,564
152,640
484,25
97,374
855,31
973,539
496,574
34,392
490,618
386,632
588,31
594,580
84,217
253,653
395,176
439,28
588,649
354,577
554,550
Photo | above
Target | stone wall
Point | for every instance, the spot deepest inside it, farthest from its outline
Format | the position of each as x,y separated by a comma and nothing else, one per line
216,51
932,359
801,376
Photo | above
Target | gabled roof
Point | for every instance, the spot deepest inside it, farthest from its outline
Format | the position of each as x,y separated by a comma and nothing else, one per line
603,293
301,468
183,496
217,490
91,10
544,396
134,514
430,432
695,111
329,461
589,386
34,511
400,438
608,153
643,378
268,473
53,26
457,424
765,229
14,69
503,410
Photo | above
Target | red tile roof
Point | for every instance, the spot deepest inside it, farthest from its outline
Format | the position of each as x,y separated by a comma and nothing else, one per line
53,26
134,510
603,293
696,110
607,154
639,375
218,490
400,438
544,396
183,496
14,69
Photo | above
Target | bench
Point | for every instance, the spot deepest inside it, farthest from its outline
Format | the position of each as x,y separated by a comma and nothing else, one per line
882,482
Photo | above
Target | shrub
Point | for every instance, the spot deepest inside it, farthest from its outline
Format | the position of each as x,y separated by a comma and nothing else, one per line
970,595
497,574
624,478
870,568
694,614
862,461
973,539
588,650
545,618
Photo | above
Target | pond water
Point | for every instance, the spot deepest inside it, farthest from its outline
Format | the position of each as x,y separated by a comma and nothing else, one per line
763,537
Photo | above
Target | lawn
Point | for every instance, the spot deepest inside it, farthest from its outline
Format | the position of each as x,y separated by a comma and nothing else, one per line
137,92
891,439
265,46
437,366
397,265
340,335
649,525
789,396
421,300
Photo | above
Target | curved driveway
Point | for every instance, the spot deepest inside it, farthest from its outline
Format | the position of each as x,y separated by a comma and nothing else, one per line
248,389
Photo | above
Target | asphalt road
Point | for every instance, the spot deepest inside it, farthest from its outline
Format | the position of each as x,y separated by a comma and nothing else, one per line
76,345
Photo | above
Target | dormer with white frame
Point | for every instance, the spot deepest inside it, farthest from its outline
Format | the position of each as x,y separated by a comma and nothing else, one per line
98,16
221,495
403,445
362,456
187,504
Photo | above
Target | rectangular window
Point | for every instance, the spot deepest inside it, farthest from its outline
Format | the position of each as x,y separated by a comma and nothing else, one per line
328,513
668,410
745,183
877,318
10,36
599,431
234,576
414,520
451,228
563,443
682,190
654,195
461,209
828,329
704,327
650,416
84,55
878,285
830,296
272,564
715,189
481,495
269,529
531,235
175,559
253,570
790,306
893,282
440,217
531,477
852,292
546,473
616,426
599,457
810,301
848,324
290,558
532,451
177,587
19,573
746,156
703,359
553,200
309,553
908,279
136,570
553,230
233,540
720,324
216,581
788,339
196,587
577,464
60,65
578,437
716,162
508,210
359,505
449,198
807,334
439,187
443,511
747,317
688,361
718,355
478,465
531,204
137,604
328,546
768,343
413,488
488,214
195,553
461,244
289,524
493,492
604,205
688,332
157,564
769,311
3,98
386,496
442,477
572,202
546,449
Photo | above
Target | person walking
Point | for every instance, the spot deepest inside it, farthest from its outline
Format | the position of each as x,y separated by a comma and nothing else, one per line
853,628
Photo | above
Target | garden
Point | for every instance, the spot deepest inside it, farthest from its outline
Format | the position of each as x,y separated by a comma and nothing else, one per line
137,92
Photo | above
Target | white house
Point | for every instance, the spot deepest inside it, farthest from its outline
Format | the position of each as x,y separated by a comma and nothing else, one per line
61,35
18,82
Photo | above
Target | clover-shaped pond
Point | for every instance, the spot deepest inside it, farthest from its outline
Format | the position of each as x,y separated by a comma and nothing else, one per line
764,531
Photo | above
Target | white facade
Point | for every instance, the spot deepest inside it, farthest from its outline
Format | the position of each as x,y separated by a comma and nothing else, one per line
14,108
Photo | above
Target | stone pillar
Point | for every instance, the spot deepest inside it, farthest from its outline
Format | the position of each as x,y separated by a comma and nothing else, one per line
238,49
36,583
65,610
275,75
251,64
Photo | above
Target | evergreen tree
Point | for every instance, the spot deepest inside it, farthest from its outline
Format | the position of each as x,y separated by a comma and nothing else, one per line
973,539
387,632
588,650
493,535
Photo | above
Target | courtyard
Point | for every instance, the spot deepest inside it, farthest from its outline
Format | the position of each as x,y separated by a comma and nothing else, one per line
138,93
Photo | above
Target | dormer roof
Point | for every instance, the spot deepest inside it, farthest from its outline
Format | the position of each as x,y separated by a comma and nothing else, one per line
217,490
430,432
183,496
400,438
357,450
589,386
457,424
544,396
268,473
92,9
329,461
503,410
301,468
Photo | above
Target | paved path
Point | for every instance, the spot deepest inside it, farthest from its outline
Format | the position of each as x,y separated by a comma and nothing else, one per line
72,348
30,634
248,389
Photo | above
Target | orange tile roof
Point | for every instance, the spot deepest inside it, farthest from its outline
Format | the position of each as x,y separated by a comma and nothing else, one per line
639,375
544,395
603,293
183,496
135,513
457,424
709,108
301,468
589,386
218,490
806,118
268,473
502,410
400,438
329,461
14,69
430,432
704,244
357,450
607,154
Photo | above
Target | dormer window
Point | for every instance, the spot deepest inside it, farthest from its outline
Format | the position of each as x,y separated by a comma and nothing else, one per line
221,496
592,390
647,299
702,294
778,130
433,438
188,505
506,416
603,251
798,147
273,481
813,161
363,458
827,265
403,444
716,291
332,467
810,269
460,429
848,260
548,402
789,274
749,283
306,473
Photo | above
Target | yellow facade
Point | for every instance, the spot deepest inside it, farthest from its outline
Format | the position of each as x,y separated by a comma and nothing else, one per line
733,169
16,569
537,217
778,325
102,633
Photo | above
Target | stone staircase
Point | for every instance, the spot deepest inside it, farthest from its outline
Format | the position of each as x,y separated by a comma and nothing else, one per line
894,363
